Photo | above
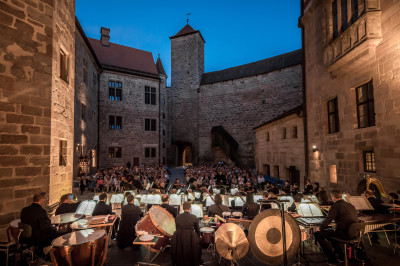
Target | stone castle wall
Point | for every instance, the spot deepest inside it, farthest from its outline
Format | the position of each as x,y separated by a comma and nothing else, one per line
240,105
132,138
335,69
86,123
272,149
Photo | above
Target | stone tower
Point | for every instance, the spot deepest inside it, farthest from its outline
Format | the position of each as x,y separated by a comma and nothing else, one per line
187,68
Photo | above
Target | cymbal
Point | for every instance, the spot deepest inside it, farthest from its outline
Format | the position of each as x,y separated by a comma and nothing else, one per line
231,241
265,237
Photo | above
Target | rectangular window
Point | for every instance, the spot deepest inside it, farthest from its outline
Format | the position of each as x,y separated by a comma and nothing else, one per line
111,122
163,132
163,145
153,152
284,133
276,171
294,133
267,136
63,153
64,66
365,105
163,115
335,19
150,152
118,152
150,95
83,111
332,174
369,161
267,169
150,124
111,152
147,152
93,156
354,10
333,117
115,90
118,122
344,20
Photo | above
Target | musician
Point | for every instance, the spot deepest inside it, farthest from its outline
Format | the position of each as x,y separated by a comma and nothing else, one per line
218,208
308,187
394,198
376,203
270,195
185,244
250,208
221,178
137,184
344,215
286,187
177,184
43,233
165,205
130,214
101,207
323,198
67,205
248,188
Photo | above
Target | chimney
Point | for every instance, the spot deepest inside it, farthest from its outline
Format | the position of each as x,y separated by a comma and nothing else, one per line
105,36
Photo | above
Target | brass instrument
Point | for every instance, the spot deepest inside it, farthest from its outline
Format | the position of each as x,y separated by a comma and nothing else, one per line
375,181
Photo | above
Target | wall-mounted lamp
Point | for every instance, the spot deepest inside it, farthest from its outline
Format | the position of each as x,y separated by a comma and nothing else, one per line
314,148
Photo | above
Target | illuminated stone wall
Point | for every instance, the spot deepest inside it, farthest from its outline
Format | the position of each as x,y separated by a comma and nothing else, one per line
335,68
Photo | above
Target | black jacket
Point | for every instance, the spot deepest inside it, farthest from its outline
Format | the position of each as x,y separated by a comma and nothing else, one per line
217,209
344,215
67,208
42,230
250,210
185,249
169,208
377,204
130,215
102,209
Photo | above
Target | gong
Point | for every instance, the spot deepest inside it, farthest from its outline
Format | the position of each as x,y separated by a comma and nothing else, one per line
231,241
265,237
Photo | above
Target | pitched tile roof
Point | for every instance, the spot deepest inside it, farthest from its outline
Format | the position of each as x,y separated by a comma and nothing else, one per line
123,57
160,67
297,110
187,30
255,68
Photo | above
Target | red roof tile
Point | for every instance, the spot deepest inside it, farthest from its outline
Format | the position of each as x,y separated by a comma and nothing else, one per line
125,57
187,30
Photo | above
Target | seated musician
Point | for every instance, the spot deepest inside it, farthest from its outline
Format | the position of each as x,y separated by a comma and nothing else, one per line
286,187
248,188
67,205
43,233
344,215
130,215
250,208
185,244
376,203
177,184
270,195
101,207
218,208
136,183
165,205
324,199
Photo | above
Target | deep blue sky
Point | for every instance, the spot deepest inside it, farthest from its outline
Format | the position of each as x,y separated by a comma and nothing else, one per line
236,31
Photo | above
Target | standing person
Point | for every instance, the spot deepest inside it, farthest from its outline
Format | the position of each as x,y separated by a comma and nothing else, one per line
344,215
130,215
43,233
185,244
82,184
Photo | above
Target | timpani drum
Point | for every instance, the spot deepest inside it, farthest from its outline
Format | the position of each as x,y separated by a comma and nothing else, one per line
85,247
158,221
13,230
65,220
207,235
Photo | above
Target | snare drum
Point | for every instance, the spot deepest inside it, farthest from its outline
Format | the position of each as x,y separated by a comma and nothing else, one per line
85,247
207,235
158,221
237,215
226,215
13,230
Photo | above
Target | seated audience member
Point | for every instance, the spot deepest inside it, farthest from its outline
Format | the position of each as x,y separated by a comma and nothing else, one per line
344,215
250,208
130,215
218,208
67,205
165,205
43,233
185,242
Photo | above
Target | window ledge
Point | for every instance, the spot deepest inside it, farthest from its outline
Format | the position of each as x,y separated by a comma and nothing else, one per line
356,41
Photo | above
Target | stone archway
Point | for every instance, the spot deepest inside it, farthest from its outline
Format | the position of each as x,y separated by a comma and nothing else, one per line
187,155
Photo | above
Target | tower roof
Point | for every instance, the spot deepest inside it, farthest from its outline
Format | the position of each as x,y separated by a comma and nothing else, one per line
160,67
187,30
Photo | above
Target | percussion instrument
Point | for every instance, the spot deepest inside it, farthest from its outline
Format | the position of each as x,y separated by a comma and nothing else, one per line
85,247
265,237
65,220
207,235
158,221
13,229
231,241
226,215
95,221
237,215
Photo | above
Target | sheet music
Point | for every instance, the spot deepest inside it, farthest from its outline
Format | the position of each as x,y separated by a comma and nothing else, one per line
96,198
309,210
209,201
197,209
360,203
197,195
86,207
136,202
286,205
117,198
239,202
257,198
157,199
234,191
191,196
175,199
216,191
230,201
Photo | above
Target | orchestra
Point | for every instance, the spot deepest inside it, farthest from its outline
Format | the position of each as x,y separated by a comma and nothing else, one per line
188,215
